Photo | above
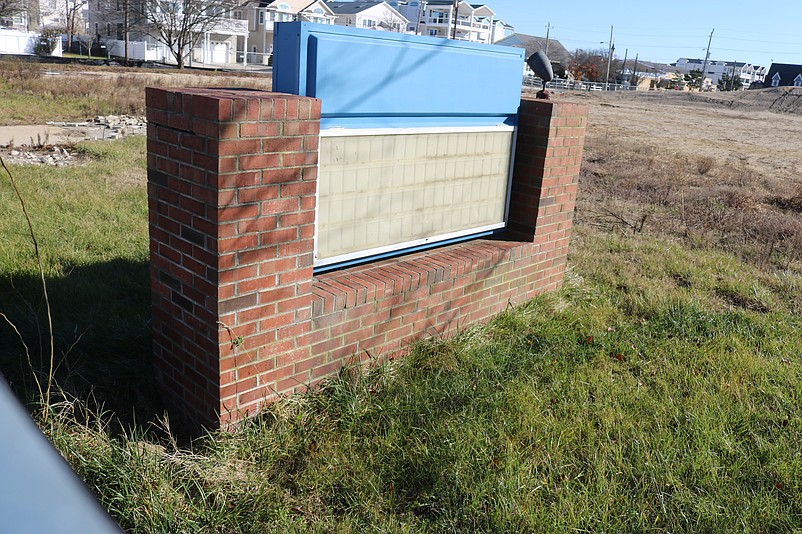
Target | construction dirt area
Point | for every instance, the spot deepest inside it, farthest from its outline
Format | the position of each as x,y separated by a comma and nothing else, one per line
760,128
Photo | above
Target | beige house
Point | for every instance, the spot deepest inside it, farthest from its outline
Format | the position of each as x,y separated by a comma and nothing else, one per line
371,14
263,14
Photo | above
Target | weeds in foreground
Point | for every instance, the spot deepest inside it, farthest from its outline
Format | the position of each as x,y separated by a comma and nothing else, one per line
44,392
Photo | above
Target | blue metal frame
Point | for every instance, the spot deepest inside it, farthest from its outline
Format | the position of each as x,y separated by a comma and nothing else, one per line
375,79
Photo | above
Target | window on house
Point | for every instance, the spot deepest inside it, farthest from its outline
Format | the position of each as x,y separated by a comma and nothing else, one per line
283,7
261,17
120,32
798,81
433,32
368,23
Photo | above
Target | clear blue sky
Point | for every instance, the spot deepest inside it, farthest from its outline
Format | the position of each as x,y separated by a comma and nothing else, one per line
663,31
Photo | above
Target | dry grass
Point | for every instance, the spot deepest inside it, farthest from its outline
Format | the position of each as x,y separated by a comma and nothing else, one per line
700,200
32,93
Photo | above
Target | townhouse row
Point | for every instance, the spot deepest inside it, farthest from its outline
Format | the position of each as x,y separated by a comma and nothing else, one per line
242,32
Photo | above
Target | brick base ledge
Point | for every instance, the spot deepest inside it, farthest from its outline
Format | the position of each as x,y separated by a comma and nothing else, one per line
378,308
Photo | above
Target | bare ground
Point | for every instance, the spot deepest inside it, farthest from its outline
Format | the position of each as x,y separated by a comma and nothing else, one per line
720,171
762,128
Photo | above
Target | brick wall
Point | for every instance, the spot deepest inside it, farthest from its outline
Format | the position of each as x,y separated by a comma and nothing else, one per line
239,318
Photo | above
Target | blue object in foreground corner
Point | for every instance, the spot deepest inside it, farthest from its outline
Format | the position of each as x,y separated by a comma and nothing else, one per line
369,79
38,491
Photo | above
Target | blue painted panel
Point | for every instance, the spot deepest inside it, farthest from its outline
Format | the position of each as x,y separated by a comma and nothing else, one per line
368,78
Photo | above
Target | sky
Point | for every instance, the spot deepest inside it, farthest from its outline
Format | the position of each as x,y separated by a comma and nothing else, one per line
663,31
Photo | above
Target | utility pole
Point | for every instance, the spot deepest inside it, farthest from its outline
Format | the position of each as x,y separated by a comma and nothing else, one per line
455,14
548,29
610,50
732,79
635,70
126,29
421,12
624,65
704,65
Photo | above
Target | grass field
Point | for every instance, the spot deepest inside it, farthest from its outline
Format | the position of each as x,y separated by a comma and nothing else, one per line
658,391
31,93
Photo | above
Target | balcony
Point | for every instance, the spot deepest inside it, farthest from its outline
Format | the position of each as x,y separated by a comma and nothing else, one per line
230,27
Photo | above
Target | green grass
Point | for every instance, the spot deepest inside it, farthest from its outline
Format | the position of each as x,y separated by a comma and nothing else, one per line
91,224
658,391
574,412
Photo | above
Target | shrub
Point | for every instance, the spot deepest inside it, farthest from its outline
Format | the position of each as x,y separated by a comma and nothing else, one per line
47,42
705,164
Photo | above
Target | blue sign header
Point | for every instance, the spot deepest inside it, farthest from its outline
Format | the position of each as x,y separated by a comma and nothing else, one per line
369,78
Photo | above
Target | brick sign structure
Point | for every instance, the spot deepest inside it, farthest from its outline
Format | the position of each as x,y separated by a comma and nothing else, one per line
240,318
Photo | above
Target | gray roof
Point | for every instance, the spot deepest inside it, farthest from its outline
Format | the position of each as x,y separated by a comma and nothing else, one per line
352,8
787,71
557,52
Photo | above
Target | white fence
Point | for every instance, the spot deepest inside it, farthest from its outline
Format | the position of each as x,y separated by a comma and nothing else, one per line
137,50
577,85
22,43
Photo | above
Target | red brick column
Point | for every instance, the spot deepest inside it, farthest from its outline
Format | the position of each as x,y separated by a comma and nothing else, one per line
231,190
548,154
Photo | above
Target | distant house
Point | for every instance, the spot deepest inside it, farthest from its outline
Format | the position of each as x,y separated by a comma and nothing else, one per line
558,55
747,72
501,30
221,41
372,14
783,74
263,14
438,18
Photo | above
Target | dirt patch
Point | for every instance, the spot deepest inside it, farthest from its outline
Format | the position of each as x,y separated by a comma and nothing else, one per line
712,170
743,128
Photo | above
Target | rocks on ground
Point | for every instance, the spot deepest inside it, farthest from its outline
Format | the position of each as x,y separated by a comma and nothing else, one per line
41,152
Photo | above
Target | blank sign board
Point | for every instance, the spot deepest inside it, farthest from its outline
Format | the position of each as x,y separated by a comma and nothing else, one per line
380,191
417,135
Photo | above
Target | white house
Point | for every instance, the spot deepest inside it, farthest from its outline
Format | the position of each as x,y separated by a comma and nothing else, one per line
375,14
262,14
218,41
438,18
715,69
501,30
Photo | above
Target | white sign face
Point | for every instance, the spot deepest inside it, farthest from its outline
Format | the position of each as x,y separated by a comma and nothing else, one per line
385,190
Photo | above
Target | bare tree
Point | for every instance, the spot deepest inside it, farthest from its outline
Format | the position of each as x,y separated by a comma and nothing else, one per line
179,24
589,65
74,19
